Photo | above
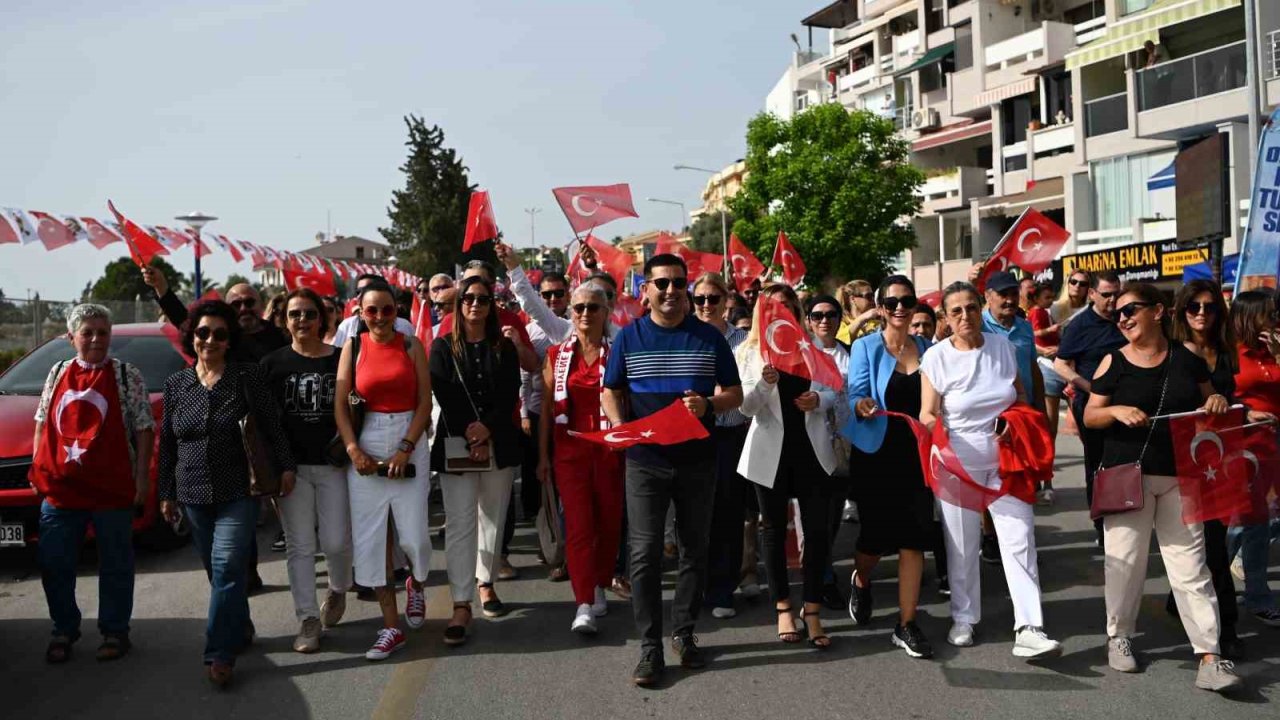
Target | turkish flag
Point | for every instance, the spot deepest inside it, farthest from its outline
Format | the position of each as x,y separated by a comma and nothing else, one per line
256,256
229,247
788,260
319,281
746,266
52,231
171,238
201,247
933,299
1215,464
590,206
8,234
610,259
420,318
1031,244
481,224
142,247
671,425
787,347
625,310
696,263
99,234
946,477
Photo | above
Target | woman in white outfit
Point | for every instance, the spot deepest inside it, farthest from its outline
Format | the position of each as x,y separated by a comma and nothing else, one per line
968,380
388,473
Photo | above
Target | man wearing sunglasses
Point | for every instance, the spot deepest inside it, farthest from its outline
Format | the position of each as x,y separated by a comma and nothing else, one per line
257,338
438,292
355,324
660,358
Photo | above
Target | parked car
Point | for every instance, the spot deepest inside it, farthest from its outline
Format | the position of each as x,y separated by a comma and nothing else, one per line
149,347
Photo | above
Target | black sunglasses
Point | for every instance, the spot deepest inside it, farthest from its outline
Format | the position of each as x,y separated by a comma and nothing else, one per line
584,308
1077,283
549,294
906,302
472,299
1132,309
244,303
870,296
1108,295
204,332
1209,308
662,284
303,314
817,317
701,300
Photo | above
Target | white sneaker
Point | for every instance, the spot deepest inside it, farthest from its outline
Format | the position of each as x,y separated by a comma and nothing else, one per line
961,634
723,613
1045,497
600,607
1237,568
584,623
1033,644
750,590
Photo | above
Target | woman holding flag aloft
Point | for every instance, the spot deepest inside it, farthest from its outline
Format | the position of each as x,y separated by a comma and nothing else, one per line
1147,378
968,381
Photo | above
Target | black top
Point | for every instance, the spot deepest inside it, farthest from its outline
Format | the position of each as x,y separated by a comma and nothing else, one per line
1223,379
202,458
1128,384
253,346
493,379
304,388
902,394
1087,339
791,387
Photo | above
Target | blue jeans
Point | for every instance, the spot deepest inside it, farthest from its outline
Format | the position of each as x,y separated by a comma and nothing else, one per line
1251,541
223,534
61,535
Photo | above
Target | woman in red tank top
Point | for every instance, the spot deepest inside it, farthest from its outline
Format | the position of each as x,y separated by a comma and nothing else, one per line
388,474
587,475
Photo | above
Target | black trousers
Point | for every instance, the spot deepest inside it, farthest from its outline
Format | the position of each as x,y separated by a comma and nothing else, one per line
530,487
1215,552
802,477
724,551
650,491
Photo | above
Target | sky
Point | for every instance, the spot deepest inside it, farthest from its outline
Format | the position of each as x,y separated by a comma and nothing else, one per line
280,114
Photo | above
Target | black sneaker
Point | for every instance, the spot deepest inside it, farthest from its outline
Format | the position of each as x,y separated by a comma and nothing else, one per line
990,549
686,648
859,601
832,598
649,671
910,638
944,586
279,544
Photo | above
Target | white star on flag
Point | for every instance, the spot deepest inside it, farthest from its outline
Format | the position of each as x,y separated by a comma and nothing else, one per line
74,451
1211,474
647,434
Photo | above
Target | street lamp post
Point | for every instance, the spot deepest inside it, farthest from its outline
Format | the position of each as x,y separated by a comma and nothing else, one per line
195,221
683,214
532,211
724,224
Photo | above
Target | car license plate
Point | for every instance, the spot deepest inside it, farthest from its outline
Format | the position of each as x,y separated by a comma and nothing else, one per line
11,535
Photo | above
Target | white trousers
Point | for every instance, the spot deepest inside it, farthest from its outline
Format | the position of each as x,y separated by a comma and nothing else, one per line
374,497
318,505
475,508
1015,527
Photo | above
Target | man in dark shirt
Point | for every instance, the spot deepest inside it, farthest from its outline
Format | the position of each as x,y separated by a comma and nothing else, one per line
257,338
1090,336
656,360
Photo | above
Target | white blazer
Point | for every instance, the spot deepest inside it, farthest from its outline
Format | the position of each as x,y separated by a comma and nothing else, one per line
762,403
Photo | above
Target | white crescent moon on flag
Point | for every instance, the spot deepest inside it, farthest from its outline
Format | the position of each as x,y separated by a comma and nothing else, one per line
1244,455
617,437
1022,237
768,336
1203,437
575,201
91,396
734,260
785,262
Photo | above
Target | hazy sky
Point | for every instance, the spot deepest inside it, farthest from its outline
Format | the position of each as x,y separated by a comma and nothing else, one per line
270,114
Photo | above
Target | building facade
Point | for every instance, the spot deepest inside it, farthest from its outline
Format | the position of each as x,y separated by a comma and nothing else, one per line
350,248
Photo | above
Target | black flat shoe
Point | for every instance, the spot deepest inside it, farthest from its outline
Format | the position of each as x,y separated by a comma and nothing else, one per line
455,635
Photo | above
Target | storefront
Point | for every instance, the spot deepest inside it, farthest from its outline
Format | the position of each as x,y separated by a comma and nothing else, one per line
1160,263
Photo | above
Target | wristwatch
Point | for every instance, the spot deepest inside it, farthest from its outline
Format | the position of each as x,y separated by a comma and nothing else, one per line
406,446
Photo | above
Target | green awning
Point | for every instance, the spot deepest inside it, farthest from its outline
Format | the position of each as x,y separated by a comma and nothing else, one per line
933,56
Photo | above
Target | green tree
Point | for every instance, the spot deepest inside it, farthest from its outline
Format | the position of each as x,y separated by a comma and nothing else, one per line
837,182
121,280
705,233
429,216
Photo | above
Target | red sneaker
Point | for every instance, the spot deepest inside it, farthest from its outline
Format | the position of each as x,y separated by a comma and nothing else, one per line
389,641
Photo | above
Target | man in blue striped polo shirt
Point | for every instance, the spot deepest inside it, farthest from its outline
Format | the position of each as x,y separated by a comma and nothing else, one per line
665,356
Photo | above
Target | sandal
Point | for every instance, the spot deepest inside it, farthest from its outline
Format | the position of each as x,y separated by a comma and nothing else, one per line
493,607
793,636
219,673
821,642
59,650
113,647
455,635
559,573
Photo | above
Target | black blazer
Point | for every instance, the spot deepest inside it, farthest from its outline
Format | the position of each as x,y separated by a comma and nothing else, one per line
494,382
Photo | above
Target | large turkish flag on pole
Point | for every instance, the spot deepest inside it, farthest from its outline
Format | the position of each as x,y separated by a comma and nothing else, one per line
590,206
614,261
142,247
1031,244
785,345
671,425
481,224
788,260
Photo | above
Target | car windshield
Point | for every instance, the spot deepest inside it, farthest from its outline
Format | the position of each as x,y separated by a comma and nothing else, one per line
154,355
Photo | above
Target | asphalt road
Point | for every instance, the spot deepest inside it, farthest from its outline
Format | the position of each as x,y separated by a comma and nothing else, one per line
528,664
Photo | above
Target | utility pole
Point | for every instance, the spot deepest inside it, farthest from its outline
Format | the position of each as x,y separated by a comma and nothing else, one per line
532,212
1251,44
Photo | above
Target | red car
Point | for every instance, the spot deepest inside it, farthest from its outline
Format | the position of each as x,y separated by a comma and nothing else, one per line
145,346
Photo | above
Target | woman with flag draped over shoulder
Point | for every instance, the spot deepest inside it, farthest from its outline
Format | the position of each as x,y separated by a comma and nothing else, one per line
1151,376
968,380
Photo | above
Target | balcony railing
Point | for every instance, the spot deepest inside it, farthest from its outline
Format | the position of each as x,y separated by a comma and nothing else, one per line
1272,50
1016,49
1195,76
1091,30
902,117
1106,114
856,78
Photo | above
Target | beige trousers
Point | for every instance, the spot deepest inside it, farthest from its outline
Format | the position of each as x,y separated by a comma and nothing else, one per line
1128,539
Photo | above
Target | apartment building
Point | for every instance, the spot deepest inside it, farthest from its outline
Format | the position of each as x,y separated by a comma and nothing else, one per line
1053,104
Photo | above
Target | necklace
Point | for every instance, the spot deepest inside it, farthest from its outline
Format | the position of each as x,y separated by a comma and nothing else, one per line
1148,355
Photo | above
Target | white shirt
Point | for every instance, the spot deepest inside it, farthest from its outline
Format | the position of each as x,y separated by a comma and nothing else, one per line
976,386
347,328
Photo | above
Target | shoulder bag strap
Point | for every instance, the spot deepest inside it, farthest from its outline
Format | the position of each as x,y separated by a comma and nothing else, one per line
1164,387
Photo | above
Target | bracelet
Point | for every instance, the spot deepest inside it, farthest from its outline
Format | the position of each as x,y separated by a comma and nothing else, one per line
406,445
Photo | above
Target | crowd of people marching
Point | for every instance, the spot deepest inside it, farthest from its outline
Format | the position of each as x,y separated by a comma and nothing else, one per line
359,418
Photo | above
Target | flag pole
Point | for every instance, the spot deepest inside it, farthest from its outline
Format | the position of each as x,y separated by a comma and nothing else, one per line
1189,413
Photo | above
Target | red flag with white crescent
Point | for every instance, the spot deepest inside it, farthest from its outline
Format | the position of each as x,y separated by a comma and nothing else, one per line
745,265
170,238
51,231
256,256
481,224
788,260
786,346
1031,244
319,281
625,310
696,263
201,247
671,425
612,260
1216,465
590,206
229,247
420,318
142,246
98,233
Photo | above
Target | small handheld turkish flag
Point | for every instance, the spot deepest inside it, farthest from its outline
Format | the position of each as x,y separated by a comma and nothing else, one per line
481,224
746,266
590,206
612,260
695,263
142,247
318,280
420,318
1031,244
1215,466
788,260
786,346
671,425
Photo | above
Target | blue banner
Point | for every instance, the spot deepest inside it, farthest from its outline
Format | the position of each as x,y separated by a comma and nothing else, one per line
1260,256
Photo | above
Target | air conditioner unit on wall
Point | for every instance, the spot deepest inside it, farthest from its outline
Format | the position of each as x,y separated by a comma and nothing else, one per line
924,119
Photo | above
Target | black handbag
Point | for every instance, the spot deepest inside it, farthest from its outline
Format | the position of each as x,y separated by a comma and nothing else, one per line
336,451
264,478
1119,489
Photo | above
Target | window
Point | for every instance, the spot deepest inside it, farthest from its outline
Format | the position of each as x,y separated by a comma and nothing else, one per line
934,76
963,59
1057,90
359,253
1016,114
1132,6
1120,192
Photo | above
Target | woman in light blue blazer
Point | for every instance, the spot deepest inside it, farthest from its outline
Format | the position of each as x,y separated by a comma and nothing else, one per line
895,504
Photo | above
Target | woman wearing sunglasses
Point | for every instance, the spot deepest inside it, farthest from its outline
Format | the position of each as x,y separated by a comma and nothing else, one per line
587,475
966,382
858,300
302,379
788,454
476,375
387,477
1151,376
1200,323
895,503
204,472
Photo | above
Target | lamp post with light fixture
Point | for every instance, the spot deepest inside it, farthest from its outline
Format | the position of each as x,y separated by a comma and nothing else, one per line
195,221
724,223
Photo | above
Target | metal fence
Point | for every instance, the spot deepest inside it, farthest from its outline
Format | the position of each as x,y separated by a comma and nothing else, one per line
25,324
